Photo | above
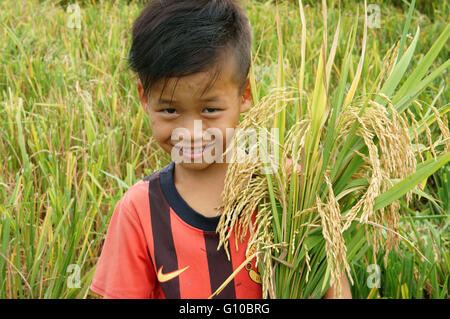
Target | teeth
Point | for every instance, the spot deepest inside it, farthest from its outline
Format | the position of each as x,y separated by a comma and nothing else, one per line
192,151
197,150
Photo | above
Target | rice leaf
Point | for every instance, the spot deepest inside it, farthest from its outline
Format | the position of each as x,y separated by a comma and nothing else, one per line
401,188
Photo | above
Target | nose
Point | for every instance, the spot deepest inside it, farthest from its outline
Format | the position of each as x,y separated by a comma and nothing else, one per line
191,132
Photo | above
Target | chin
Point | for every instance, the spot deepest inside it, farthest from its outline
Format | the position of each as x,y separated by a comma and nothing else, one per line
195,166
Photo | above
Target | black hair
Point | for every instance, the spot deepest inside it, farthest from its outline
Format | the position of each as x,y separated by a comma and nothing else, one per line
175,38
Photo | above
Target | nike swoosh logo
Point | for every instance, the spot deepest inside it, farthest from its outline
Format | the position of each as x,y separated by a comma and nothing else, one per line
166,277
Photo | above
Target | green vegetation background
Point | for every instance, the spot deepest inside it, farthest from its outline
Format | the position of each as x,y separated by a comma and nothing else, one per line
73,136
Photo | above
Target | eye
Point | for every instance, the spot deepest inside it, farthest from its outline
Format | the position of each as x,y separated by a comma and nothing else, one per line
212,109
168,111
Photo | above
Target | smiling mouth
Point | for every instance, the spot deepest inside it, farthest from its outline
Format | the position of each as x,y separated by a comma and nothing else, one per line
191,151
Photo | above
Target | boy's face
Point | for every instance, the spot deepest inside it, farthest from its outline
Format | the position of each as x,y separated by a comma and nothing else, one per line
182,127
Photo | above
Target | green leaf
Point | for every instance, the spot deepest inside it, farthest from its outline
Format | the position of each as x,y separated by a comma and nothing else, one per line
423,66
406,28
401,102
401,188
119,181
399,70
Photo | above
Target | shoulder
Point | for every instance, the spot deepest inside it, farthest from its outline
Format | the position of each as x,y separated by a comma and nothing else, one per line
136,198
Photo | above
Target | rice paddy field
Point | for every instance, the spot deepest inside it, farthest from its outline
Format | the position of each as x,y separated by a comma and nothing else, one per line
73,136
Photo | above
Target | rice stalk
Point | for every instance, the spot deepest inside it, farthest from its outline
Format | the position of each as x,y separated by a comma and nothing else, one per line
344,165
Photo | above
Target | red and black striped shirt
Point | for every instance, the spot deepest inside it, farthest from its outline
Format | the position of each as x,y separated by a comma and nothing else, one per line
157,246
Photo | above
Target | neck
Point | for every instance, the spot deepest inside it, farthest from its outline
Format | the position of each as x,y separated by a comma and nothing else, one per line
211,175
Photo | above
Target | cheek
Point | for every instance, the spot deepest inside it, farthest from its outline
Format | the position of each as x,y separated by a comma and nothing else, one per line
228,127
161,131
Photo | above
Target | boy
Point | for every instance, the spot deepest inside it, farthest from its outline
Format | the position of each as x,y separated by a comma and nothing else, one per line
192,59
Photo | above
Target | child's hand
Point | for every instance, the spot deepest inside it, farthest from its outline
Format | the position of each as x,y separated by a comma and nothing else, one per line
289,164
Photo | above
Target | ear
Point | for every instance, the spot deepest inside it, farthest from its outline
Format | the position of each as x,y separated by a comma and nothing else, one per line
246,97
142,96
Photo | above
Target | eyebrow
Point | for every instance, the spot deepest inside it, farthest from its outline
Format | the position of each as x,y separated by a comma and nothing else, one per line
210,99
164,101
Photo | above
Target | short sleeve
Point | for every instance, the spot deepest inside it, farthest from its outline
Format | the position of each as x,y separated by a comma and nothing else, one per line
124,269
